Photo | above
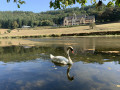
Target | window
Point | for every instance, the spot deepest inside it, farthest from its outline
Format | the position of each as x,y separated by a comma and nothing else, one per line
65,21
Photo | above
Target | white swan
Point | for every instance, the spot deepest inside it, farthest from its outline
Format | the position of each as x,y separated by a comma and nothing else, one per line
61,59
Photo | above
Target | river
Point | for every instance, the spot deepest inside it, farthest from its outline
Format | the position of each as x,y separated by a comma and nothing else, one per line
25,64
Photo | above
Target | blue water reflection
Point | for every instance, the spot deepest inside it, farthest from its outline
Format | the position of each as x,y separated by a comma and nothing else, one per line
31,68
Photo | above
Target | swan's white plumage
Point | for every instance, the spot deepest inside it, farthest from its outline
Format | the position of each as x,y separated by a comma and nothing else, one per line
61,59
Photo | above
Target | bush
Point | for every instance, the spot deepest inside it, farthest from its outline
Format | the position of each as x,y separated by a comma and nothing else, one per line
9,31
92,25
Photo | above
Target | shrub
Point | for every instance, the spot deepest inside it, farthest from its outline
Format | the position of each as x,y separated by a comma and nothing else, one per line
9,31
92,25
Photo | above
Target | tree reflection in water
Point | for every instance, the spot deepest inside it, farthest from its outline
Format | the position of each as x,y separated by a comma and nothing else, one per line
96,65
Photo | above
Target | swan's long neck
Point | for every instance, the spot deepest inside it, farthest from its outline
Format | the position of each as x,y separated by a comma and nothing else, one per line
70,61
51,56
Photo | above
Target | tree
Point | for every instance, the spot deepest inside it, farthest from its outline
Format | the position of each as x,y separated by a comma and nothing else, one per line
47,23
19,21
36,23
107,14
24,22
58,4
18,2
92,25
15,25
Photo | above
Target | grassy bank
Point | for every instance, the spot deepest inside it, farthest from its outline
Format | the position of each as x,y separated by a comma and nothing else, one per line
103,29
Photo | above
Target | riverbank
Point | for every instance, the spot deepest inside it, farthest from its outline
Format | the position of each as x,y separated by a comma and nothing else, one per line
103,29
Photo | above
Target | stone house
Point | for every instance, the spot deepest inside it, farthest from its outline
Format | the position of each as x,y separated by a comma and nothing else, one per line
78,20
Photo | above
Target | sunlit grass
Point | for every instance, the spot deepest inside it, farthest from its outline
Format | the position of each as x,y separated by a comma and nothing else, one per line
49,31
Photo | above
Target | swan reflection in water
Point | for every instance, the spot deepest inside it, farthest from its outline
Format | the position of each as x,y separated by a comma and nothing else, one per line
68,75
68,70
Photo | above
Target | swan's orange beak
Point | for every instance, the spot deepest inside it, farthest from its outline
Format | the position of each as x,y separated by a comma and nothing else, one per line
73,52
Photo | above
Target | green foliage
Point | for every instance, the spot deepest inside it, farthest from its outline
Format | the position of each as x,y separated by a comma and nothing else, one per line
110,4
15,24
9,31
46,23
18,2
58,4
16,19
117,2
48,18
64,3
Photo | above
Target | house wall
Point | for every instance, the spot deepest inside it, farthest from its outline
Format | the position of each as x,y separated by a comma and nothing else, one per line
75,21
65,22
82,21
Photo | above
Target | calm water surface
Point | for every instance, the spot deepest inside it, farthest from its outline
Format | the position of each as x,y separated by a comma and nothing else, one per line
28,67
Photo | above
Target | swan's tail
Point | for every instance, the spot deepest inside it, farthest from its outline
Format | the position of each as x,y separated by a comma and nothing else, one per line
51,56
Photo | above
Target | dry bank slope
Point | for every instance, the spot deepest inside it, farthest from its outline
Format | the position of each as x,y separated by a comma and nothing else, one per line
103,28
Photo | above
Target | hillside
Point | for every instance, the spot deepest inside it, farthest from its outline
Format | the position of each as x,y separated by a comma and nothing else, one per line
103,29
17,19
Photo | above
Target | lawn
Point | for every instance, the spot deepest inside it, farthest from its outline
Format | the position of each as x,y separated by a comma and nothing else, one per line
111,27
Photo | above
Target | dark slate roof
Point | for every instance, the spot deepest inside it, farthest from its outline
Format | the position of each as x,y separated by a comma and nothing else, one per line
70,17
90,17
80,16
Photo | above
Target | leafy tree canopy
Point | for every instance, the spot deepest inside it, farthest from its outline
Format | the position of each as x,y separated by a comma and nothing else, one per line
58,4
18,2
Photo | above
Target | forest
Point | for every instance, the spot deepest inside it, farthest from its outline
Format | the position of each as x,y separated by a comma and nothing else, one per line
17,19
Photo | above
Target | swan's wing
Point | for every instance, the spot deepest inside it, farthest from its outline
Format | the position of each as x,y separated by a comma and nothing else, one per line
60,59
